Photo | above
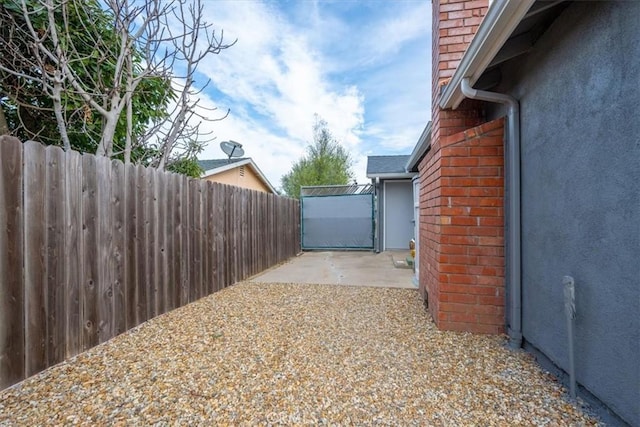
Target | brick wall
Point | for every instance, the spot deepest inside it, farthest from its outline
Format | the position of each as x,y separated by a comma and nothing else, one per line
461,193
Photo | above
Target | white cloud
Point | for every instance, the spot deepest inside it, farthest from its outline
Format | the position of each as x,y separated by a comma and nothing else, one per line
290,64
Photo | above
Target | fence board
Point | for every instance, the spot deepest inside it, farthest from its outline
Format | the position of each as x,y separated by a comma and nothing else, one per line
116,260
88,291
131,247
150,247
196,255
35,270
237,221
142,282
94,247
220,233
12,326
73,253
104,225
210,245
185,250
55,230
175,240
162,181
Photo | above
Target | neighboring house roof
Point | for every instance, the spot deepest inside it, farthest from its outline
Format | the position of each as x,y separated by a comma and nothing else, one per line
218,163
388,167
216,166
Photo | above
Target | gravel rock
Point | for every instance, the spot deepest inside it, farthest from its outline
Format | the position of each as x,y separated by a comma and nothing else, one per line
283,354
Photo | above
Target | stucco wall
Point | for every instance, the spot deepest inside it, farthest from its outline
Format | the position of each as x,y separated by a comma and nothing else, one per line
234,177
580,107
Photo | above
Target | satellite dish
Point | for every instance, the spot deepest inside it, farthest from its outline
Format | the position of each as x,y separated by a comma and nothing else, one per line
232,148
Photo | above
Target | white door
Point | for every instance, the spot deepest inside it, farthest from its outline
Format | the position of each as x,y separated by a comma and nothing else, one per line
416,224
398,214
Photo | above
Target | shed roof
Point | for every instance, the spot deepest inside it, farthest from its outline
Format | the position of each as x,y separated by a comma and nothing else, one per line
388,167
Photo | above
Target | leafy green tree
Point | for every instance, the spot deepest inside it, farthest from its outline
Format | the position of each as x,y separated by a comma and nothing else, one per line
326,163
97,75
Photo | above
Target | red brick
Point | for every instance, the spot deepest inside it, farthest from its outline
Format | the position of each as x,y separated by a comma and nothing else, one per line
485,192
485,171
468,22
490,161
464,220
453,269
456,250
485,151
490,201
461,298
490,241
485,231
462,279
452,23
460,161
459,31
490,319
454,191
455,152
451,171
458,47
465,260
484,250
462,317
490,281
484,310
460,14
451,40
490,300
459,240
476,4
482,211
451,7
488,260
490,182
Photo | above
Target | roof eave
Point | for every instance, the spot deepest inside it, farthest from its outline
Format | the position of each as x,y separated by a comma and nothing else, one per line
392,175
224,168
263,177
495,29
423,145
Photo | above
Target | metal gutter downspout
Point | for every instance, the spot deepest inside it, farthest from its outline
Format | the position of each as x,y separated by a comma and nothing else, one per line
513,184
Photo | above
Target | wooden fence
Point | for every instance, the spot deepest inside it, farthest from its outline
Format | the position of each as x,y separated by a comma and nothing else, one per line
90,248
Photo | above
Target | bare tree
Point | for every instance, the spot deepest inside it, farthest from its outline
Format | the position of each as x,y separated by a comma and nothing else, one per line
194,40
149,39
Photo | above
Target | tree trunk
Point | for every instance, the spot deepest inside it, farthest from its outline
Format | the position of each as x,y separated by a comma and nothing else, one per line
57,109
105,146
128,142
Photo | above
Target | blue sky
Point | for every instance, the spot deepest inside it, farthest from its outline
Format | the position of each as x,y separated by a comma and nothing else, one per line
363,66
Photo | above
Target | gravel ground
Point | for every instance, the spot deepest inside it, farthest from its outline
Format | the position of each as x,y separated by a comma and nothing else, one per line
282,354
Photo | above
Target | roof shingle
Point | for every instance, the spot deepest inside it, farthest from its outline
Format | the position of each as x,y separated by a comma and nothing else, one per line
386,164
207,165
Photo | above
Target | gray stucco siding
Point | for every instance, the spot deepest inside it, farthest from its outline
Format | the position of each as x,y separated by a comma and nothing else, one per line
579,91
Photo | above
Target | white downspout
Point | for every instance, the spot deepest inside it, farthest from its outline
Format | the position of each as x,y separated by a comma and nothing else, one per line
514,257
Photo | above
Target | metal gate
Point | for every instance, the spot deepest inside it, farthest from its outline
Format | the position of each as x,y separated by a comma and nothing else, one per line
337,217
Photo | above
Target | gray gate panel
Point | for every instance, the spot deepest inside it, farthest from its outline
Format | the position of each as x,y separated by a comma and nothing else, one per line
337,222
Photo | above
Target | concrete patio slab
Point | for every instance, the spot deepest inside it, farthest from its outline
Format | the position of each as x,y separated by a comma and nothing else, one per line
344,268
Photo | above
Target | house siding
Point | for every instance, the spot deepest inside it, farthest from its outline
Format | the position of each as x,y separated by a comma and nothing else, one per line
233,177
579,91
